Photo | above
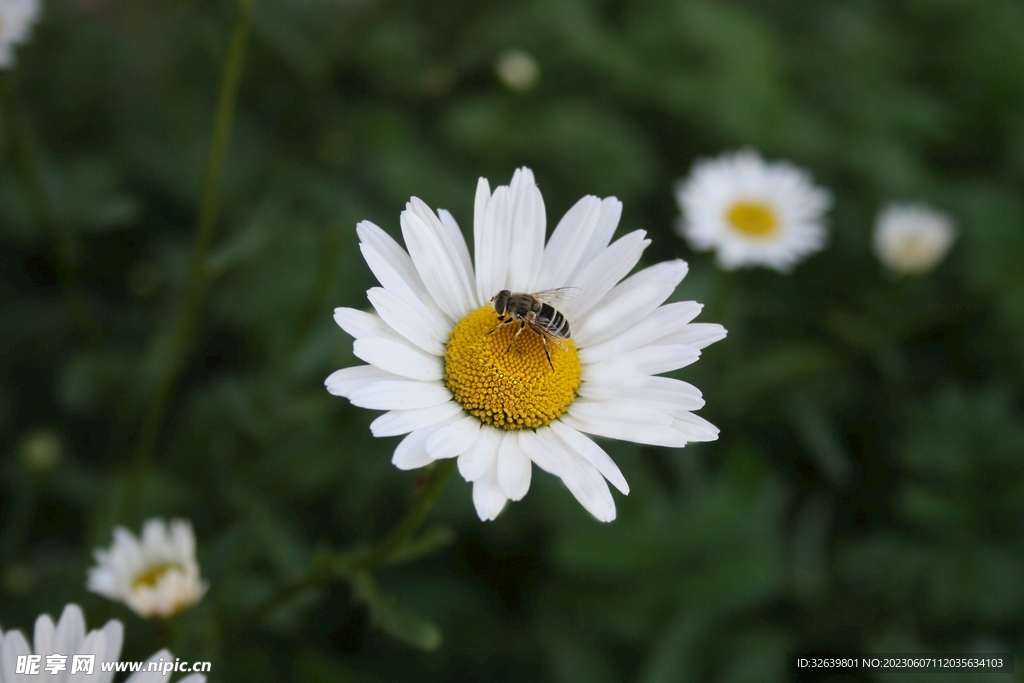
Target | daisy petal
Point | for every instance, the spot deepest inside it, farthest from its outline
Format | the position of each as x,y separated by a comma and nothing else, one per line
543,449
493,237
400,274
694,427
411,453
454,439
663,322
437,260
394,280
587,485
661,393
568,242
458,241
360,324
514,467
526,251
14,646
488,498
633,299
398,358
697,335
479,457
611,212
408,321
400,395
648,360
343,382
398,422
593,453
602,273
624,430
618,412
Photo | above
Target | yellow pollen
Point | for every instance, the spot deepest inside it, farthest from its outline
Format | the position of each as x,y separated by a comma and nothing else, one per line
753,219
509,388
151,576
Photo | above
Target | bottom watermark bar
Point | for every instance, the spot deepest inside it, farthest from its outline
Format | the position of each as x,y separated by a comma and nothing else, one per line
999,662
34,664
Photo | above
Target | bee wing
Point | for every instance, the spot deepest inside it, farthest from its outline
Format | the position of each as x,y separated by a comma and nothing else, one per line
557,296
554,340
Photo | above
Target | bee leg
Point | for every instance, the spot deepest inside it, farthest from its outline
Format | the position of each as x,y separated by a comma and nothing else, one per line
502,323
547,353
522,326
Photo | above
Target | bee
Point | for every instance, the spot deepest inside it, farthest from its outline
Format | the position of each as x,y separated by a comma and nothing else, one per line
537,312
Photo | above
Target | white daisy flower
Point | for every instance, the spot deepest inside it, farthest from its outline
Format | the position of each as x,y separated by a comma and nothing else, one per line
752,213
912,238
16,19
68,638
156,575
461,386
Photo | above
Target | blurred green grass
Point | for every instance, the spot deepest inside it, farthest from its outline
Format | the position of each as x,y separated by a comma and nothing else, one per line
866,492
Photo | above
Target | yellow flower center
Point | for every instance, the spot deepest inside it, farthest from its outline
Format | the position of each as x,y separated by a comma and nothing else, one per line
753,219
510,388
151,576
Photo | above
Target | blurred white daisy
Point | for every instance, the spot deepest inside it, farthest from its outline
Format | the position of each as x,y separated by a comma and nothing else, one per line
752,213
912,238
156,575
69,638
16,19
461,388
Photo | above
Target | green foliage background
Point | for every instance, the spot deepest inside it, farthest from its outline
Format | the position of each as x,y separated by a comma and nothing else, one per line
867,490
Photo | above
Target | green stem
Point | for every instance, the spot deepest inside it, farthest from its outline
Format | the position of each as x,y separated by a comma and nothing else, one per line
209,204
342,566
402,533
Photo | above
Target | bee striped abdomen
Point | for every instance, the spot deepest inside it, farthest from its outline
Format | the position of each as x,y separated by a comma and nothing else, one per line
554,321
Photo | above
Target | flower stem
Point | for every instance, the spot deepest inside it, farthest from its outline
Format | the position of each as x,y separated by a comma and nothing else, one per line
337,565
209,204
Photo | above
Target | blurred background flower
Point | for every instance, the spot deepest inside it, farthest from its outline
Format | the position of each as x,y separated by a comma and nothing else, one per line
865,491
912,238
16,19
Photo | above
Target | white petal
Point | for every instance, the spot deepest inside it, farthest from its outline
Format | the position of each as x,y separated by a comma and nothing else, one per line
408,321
437,260
459,242
399,359
69,634
648,360
399,262
400,395
479,457
411,453
146,676
343,382
404,421
697,335
544,449
493,237
42,638
568,242
617,411
193,678
514,467
526,251
412,292
611,212
626,431
593,453
454,439
664,321
360,324
602,273
661,393
694,427
629,302
14,644
488,498
587,485
113,632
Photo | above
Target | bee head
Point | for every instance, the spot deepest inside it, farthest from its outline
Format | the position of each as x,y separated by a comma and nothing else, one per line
500,301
